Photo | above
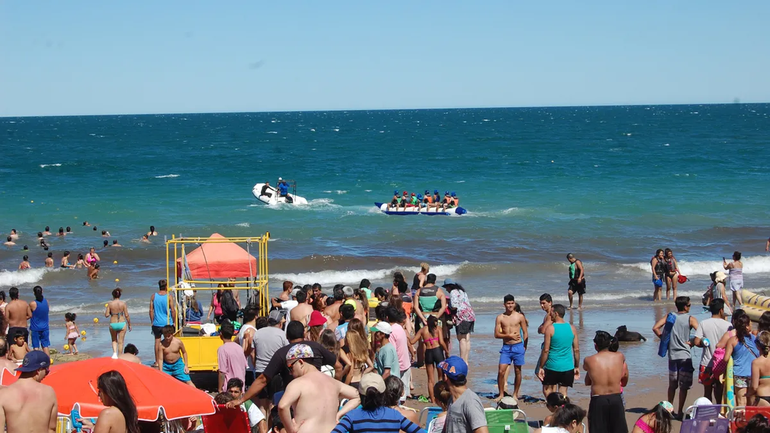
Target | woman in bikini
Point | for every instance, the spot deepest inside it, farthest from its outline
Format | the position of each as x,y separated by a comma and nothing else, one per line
743,348
92,257
760,371
355,354
656,420
672,269
117,311
435,351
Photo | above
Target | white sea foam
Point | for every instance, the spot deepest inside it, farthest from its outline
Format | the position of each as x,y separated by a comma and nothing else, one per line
166,175
243,225
49,165
272,132
751,265
355,276
18,278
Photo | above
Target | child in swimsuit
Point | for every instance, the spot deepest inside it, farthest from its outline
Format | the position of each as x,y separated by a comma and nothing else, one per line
435,350
19,348
72,333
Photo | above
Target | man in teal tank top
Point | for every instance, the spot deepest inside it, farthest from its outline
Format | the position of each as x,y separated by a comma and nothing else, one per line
162,313
561,354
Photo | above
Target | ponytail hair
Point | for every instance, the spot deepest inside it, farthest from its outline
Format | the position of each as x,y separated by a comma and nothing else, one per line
556,399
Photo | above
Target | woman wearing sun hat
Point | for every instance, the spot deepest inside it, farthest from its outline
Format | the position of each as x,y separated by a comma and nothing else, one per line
374,415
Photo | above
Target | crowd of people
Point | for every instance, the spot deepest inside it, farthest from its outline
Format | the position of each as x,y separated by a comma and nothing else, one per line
427,201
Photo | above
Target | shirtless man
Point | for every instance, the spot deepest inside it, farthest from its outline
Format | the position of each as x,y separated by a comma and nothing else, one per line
312,395
115,243
145,239
4,361
174,356
47,231
9,242
286,293
27,406
14,235
18,313
511,327
332,310
606,373
301,313
49,261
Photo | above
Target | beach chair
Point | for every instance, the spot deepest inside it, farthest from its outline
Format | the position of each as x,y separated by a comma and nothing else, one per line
63,424
506,420
742,414
427,415
227,421
706,419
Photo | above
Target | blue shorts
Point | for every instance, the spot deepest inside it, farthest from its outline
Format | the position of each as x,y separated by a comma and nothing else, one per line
512,354
40,339
176,370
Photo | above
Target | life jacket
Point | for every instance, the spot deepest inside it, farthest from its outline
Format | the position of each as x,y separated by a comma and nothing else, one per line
428,199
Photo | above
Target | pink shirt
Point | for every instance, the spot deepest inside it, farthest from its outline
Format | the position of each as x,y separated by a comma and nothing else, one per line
232,362
399,340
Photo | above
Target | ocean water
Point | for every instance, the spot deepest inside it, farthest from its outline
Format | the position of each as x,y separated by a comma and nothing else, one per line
611,184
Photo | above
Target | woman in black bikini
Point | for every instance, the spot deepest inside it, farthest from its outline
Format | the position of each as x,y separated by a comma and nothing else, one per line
435,351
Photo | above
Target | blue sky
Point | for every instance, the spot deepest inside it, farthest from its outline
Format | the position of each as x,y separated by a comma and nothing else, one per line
107,57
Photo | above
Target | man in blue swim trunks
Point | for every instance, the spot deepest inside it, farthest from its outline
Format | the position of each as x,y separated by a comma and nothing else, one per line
174,356
511,327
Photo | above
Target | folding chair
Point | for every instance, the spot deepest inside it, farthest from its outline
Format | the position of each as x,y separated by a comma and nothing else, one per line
227,421
506,420
427,415
706,419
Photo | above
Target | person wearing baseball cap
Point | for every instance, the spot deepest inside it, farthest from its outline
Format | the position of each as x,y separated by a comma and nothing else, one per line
386,358
39,413
313,395
374,415
465,412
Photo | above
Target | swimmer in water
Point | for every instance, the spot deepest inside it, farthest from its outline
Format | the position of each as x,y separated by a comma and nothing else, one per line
106,243
65,261
61,232
81,263
145,239
47,231
93,272
14,235
49,261
92,257
115,243
9,242
85,224
69,230
24,263
105,234
152,231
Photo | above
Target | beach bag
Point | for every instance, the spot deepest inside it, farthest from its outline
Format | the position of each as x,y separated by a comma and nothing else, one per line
718,362
229,306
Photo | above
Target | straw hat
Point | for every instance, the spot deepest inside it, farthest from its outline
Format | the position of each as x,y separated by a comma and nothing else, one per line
720,277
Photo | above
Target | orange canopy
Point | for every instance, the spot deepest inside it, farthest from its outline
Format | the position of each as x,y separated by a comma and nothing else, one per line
219,260
152,390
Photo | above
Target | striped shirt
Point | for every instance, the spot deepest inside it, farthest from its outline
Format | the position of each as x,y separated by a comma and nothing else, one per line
380,420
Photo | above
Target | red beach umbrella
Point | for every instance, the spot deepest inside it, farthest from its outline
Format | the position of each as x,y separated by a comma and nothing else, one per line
75,383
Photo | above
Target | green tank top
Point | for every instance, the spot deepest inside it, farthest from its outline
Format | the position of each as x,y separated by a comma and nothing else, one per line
560,357
573,270
428,299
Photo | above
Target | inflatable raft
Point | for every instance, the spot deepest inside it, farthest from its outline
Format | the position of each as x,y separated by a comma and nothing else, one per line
754,305
274,197
386,209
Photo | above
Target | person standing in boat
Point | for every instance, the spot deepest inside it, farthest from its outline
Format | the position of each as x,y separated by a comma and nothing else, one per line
736,276
265,190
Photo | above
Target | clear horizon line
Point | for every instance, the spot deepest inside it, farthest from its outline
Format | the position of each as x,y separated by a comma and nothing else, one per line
388,109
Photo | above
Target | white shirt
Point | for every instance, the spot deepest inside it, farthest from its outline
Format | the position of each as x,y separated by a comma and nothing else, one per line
255,415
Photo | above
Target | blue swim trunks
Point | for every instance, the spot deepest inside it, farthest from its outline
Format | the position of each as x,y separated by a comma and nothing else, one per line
176,370
40,339
512,354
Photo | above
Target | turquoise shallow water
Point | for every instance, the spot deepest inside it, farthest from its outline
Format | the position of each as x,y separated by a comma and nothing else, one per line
611,184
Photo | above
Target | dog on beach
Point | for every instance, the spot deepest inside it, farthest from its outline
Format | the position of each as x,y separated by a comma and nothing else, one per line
623,334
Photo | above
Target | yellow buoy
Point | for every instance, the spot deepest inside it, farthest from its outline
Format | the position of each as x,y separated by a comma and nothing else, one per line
83,332
117,280
32,201
96,320
66,347
115,262
83,339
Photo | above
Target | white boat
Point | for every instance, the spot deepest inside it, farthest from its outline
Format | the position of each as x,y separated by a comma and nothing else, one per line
274,197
